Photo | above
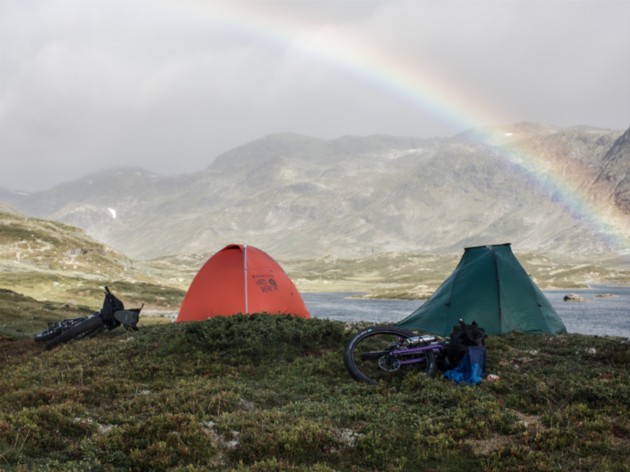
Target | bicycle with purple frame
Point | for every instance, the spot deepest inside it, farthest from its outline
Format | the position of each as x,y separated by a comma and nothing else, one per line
378,352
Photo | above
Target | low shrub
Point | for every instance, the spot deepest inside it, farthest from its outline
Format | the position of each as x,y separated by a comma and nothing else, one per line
267,393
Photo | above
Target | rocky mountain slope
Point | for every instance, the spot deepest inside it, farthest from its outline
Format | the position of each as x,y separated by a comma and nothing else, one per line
614,176
299,197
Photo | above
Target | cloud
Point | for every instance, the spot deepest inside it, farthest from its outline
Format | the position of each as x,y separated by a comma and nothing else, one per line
168,86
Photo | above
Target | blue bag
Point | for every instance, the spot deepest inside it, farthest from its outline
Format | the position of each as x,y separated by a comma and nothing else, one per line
471,369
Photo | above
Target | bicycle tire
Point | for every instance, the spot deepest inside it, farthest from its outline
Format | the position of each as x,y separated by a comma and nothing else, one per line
84,328
55,329
47,334
365,354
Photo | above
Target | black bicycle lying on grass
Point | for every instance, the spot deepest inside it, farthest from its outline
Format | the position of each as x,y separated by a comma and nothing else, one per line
378,352
110,316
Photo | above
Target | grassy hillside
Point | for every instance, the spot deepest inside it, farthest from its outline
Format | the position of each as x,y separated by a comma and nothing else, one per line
52,261
48,260
271,394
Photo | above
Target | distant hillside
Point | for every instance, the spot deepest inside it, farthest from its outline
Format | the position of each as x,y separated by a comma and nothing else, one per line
299,197
49,260
52,261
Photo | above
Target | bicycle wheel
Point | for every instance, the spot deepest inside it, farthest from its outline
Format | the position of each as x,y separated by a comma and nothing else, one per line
47,334
56,328
368,355
82,329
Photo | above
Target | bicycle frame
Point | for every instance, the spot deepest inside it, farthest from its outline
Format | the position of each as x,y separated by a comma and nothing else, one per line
437,348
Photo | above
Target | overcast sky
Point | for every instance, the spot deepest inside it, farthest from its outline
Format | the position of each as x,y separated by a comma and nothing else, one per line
168,86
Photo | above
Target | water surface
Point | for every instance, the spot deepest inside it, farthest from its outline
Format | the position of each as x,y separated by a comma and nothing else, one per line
605,310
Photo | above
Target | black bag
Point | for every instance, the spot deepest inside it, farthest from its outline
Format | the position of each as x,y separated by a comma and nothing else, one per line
461,338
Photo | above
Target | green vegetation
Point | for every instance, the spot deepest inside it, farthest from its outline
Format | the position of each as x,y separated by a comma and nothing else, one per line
23,316
265,393
78,290
416,276
380,276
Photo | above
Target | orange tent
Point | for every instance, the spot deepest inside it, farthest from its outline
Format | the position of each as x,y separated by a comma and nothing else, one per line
241,279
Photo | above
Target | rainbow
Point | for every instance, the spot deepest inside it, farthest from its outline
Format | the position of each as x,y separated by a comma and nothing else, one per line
392,73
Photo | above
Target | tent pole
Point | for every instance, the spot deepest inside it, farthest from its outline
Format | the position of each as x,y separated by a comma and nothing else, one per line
245,278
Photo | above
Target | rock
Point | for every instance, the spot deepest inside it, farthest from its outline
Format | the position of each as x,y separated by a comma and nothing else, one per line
573,297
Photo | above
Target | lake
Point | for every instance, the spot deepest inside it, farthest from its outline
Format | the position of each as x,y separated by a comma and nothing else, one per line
605,310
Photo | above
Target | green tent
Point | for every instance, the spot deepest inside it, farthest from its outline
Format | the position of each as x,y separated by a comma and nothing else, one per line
491,287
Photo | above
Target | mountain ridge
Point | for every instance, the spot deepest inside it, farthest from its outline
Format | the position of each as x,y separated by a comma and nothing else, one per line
300,197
